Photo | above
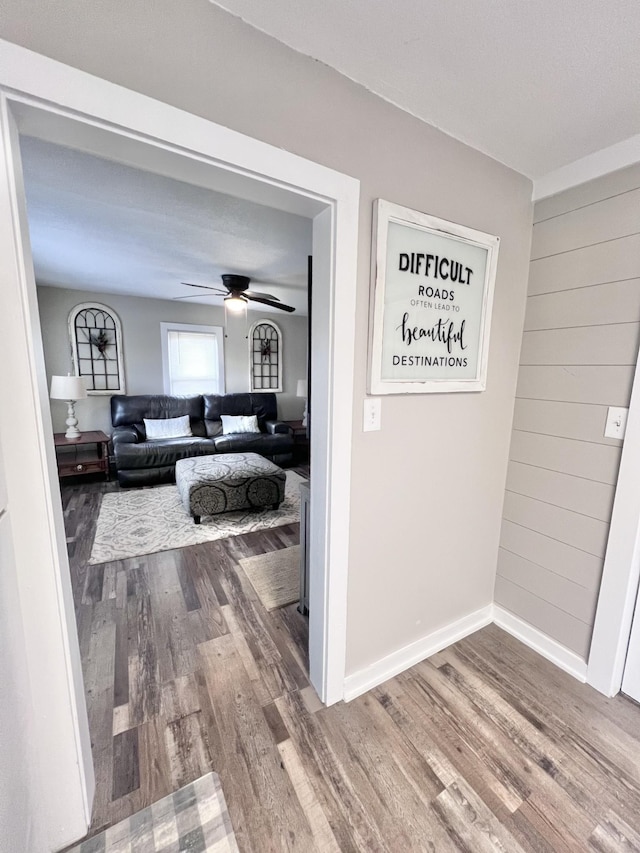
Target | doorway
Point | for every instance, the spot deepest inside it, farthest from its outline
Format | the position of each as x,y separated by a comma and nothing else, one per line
56,101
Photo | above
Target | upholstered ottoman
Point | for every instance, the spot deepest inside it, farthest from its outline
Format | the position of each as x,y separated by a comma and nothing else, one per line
225,482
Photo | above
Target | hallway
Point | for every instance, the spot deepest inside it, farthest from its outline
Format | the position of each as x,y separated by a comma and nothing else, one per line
484,747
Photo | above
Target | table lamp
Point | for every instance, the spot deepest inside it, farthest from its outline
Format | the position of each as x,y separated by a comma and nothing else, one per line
302,392
69,388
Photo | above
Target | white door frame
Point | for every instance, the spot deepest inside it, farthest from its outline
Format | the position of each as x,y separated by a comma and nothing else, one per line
631,675
621,572
26,78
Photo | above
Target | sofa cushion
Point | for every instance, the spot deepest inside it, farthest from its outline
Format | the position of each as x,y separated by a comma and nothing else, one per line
155,454
160,428
239,423
257,442
264,406
132,409
213,428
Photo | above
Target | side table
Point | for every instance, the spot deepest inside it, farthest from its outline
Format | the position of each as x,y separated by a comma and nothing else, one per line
300,441
88,454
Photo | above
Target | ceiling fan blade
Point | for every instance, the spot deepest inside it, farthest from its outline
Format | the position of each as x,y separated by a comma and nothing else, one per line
196,295
202,286
279,305
261,295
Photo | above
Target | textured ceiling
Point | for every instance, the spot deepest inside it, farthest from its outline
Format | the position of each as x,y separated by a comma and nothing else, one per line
99,225
535,84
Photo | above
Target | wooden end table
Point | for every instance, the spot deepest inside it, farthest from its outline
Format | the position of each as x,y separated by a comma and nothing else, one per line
88,454
300,441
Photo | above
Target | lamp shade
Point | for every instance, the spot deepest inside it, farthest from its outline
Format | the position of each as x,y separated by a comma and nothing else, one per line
235,304
302,388
67,388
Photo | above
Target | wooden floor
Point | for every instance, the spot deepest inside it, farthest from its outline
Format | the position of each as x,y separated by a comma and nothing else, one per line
485,747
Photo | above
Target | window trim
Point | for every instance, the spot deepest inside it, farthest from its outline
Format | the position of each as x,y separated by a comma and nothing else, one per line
165,328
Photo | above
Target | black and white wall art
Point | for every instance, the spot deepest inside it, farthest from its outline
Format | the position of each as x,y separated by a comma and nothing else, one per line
96,346
265,354
433,296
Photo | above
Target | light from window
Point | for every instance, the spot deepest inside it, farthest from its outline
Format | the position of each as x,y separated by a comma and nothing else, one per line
193,361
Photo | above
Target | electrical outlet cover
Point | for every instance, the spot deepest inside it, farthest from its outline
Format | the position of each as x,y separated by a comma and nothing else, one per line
371,414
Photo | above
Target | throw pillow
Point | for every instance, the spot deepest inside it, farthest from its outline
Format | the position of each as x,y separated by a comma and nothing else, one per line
167,428
239,423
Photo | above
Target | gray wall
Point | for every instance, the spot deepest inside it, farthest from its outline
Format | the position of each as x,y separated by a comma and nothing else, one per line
578,357
142,351
427,490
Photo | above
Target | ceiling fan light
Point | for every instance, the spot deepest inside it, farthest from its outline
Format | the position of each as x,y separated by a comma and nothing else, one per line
235,304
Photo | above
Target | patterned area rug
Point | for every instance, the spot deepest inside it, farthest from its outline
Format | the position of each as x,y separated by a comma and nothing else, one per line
194,819
275,576
143,521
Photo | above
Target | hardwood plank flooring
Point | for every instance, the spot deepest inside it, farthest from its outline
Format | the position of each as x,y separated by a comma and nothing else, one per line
485,747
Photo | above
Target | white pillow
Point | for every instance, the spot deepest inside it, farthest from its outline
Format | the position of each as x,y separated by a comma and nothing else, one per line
167,428
239,423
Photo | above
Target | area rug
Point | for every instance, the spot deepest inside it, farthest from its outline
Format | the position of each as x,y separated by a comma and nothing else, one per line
193,819
133,522
275,576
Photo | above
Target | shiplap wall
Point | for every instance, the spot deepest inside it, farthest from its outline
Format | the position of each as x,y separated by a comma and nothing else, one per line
578,357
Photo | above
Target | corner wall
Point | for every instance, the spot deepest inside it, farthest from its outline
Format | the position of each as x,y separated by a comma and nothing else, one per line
578,357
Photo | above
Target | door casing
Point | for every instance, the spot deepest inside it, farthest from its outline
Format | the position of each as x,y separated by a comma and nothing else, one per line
55,95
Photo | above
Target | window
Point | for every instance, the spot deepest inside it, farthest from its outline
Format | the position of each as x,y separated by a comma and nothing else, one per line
192,359
265,351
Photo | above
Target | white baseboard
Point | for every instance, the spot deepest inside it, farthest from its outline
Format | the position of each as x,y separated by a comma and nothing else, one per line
542,644
406,657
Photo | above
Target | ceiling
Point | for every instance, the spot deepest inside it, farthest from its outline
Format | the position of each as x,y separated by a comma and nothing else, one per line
536,84
103,226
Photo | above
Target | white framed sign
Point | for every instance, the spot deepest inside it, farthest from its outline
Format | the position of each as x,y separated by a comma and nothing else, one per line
433,296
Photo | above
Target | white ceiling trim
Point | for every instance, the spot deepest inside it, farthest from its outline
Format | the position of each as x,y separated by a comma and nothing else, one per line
602,162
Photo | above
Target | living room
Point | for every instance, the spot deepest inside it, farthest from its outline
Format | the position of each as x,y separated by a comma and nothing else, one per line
143,323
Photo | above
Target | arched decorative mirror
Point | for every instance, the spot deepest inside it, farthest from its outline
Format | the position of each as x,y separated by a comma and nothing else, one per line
96,346
265,356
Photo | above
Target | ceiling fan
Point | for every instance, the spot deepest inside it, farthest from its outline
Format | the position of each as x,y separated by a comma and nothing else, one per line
237,293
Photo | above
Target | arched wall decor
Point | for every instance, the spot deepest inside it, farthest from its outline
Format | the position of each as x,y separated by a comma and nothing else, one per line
96,346
265,356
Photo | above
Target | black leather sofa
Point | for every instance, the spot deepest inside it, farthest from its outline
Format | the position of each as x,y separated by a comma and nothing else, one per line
143,463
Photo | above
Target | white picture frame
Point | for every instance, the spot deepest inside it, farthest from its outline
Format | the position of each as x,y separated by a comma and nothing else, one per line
433,297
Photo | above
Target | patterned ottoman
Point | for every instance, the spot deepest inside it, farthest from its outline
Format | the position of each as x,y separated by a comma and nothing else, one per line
209,485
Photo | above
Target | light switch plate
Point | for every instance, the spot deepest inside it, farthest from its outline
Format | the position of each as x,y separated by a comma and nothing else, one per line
616,422
372,414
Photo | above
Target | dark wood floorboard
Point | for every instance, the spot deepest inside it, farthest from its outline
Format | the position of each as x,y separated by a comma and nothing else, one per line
485,747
